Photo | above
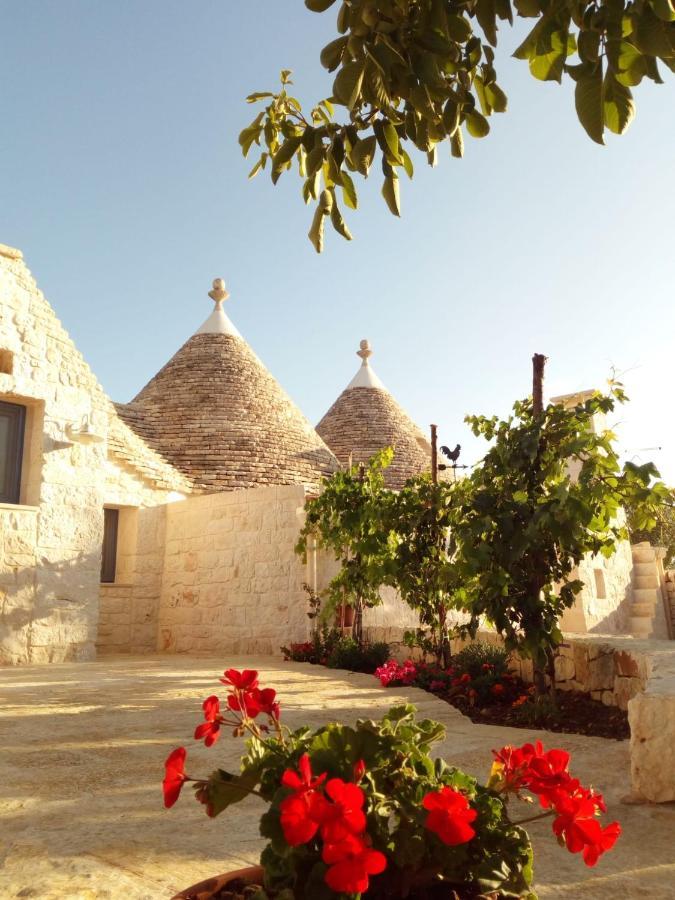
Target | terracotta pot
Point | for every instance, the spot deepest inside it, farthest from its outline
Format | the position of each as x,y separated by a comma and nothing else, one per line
209,889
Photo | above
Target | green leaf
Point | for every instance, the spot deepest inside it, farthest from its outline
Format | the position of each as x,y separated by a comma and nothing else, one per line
338,222
259,95
390,192
332,53
349,191
496,97
486,14
391,147
407,162
459,29
476,124
319,5
664,9
363,154
283,156
347,85
631,64
588,103
316,231
457,144
451,115
619,108
258,166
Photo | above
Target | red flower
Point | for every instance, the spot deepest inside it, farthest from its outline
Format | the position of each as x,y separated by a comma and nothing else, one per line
301,815
266,701
241,681
449,816
304,781
578,826
344,816
304,810
175,776
497,689
359,770
350,863
210,729
465,679
246,703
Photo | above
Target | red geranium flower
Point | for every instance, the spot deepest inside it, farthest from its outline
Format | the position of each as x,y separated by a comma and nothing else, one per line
246,703
497,689
175,776
578,826
305,780
359,770
512,765
266,701
351,862
301,815
241,681
344,816
304,810
210,729
449,816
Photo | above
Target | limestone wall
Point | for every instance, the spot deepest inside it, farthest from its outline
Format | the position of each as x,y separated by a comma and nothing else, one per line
603,605
231,580
670,593
51,540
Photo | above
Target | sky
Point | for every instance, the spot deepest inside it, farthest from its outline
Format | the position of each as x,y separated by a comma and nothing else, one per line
122,182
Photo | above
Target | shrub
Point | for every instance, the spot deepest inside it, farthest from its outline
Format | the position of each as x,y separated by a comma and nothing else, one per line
347,654
476,656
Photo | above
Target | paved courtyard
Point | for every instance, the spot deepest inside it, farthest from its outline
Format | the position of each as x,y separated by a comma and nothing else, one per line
82,748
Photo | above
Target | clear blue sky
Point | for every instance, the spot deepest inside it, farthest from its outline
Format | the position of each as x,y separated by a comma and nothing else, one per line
122,181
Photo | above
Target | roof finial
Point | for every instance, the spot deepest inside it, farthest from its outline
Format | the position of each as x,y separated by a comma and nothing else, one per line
218,293
365,352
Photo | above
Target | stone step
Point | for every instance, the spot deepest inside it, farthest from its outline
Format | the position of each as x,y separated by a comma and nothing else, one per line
640,626
645,581
642,608
645,595
643,553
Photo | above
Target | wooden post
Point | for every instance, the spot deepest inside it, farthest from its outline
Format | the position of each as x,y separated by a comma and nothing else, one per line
538,363
434,454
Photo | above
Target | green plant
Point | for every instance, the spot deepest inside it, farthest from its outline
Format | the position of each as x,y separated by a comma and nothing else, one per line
411,74
548,491
660,532
346,519
366,657
479,655
365,810
421,563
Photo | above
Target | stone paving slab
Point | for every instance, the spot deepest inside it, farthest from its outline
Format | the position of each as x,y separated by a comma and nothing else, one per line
82,748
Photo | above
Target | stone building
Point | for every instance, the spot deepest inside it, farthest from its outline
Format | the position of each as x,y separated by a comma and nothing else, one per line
366,418
169,523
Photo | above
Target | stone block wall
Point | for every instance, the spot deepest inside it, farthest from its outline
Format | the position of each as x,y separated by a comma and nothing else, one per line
231,581
51,540
670,593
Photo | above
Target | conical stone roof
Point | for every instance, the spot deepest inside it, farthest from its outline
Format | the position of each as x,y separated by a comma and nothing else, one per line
217,414
366,418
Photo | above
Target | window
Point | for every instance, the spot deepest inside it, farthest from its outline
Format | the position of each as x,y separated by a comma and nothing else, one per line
12,425
109,555
600,589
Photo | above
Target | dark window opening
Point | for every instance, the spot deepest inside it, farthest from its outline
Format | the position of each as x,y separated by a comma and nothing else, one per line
12,425
109,555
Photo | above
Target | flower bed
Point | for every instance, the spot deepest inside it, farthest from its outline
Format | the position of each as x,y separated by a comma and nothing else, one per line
367,811
479,684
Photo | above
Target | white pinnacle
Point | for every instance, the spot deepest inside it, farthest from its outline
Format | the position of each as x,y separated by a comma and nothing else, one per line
365,377
218,322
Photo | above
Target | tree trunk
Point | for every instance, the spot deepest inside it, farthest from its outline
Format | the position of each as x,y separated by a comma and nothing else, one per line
538,364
